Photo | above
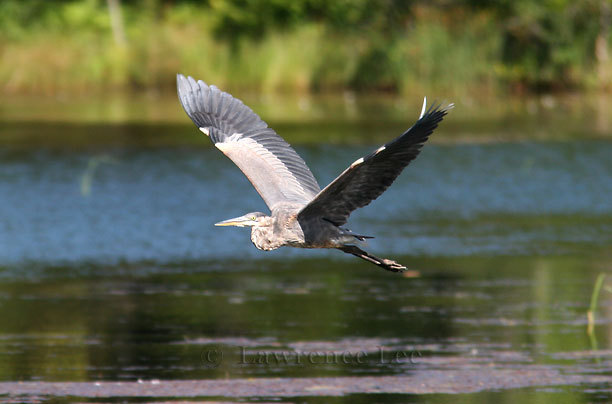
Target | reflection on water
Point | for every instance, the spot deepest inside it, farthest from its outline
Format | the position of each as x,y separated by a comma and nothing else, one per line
110,268
309,318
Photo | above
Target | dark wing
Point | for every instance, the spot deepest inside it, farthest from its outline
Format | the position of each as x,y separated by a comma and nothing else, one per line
276,171
367,178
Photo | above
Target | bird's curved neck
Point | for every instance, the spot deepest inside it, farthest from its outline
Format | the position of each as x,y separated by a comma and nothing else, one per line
263,235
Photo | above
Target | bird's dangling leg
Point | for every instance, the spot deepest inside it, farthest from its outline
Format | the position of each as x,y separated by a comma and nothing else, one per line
387,264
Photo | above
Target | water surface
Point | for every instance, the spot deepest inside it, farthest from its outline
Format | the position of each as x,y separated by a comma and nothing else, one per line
111,269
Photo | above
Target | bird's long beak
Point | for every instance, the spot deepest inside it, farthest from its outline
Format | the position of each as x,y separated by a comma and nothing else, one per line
241,221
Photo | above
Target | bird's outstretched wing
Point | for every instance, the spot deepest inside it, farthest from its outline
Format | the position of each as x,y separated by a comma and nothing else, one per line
276,171
368,177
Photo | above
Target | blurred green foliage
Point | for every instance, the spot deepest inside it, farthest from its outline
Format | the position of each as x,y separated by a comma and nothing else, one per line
303,45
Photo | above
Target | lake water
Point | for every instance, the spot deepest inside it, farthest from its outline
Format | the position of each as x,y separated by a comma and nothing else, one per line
114,282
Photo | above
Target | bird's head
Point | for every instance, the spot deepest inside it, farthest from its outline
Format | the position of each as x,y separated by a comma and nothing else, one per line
250,220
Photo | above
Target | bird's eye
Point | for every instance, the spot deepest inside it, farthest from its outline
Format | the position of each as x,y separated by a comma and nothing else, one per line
253,218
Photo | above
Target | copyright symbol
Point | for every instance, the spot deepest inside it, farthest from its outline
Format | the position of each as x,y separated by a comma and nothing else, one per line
211,357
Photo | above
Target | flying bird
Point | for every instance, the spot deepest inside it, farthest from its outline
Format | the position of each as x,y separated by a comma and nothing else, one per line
302,214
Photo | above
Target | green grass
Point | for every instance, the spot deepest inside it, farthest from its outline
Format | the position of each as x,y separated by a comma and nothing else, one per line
69,48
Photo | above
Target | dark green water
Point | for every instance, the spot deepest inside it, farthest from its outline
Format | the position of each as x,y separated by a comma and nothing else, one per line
111,269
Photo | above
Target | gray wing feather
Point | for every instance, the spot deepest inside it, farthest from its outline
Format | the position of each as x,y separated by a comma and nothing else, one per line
368,177
276,171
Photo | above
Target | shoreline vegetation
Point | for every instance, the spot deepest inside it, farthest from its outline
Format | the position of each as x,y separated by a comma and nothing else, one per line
51,47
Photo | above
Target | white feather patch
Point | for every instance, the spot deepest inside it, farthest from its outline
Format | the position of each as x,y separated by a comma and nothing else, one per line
205,130
424,107
381,148
234,141
224,147
357,162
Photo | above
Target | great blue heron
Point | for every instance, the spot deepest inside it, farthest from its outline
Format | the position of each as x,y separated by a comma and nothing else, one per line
302,215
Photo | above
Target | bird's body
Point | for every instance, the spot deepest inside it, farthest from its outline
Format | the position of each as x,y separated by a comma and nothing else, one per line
282,228
302,215
279,229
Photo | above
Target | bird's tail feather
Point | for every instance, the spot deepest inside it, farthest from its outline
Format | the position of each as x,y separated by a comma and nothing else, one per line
387,264
360,237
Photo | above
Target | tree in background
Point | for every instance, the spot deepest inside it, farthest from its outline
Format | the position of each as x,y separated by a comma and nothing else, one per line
391,45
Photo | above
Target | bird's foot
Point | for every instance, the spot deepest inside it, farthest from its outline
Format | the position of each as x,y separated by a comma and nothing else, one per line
392,266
